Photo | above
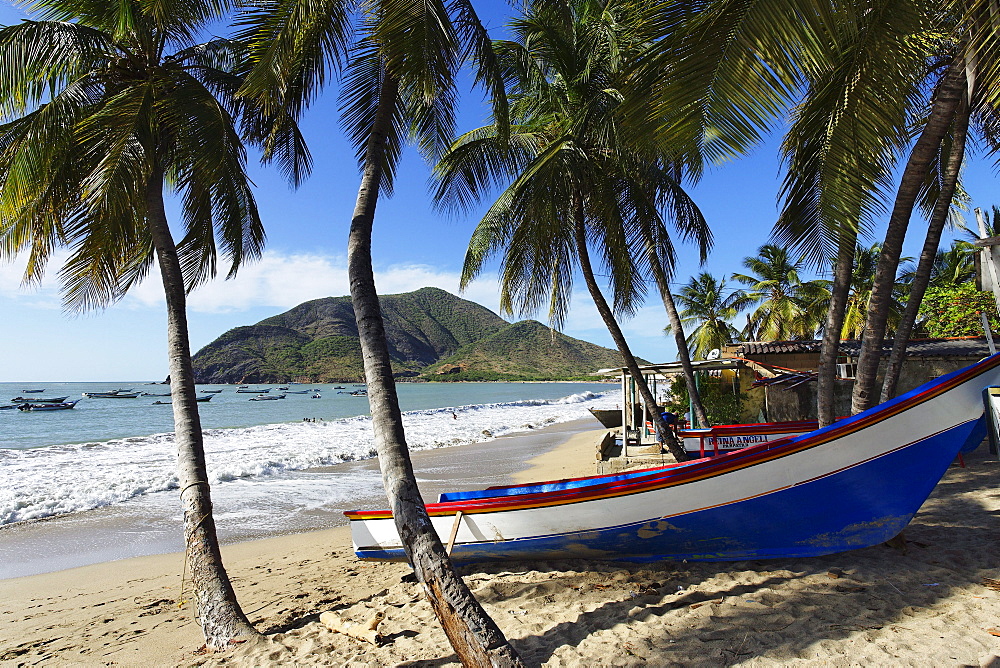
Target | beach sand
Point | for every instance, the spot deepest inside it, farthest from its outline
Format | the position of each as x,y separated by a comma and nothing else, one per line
935,603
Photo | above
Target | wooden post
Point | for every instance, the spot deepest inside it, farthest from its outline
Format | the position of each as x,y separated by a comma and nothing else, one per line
454,532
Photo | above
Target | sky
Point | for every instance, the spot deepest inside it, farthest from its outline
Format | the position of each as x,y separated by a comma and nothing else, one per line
413,246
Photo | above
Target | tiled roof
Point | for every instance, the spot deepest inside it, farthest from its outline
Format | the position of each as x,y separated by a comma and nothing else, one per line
958,347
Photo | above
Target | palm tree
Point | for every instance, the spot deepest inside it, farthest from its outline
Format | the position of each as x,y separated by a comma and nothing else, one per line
788,307
934,265
705,303
861,72
400,61
575,175
108,105
862,279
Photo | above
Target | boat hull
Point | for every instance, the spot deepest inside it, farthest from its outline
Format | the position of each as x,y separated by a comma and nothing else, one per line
607,417
851,485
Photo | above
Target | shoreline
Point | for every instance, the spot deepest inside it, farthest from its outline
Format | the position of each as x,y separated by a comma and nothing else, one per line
153,525
936,603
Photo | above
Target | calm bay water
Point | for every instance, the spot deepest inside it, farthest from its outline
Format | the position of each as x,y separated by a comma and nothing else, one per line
106,468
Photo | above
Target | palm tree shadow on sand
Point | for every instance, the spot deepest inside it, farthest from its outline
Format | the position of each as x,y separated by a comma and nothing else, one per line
776,610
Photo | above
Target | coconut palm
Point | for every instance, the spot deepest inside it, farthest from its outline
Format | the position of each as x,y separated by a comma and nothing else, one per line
398,61
107,106
954,266
862,279
788,307
861,73
575,176
708,305
933,263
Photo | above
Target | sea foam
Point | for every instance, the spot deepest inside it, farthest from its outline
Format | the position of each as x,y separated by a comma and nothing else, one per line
59,479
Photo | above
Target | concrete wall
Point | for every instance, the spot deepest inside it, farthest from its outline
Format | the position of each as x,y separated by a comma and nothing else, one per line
799,403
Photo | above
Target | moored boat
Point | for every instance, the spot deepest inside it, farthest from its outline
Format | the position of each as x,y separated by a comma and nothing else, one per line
60,406
36,400
853,484
113,394
247,390
267,397
33,391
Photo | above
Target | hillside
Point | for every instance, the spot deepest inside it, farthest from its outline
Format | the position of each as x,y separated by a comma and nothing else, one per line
526,350
432,334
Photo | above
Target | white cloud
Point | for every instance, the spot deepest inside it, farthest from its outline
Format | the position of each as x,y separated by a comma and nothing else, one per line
283,280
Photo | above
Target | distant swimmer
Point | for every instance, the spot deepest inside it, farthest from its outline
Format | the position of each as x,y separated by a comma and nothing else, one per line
453,416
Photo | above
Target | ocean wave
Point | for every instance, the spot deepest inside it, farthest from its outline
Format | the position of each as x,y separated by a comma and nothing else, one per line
63,479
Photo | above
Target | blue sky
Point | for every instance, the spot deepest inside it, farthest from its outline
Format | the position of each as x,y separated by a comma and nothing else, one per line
413,246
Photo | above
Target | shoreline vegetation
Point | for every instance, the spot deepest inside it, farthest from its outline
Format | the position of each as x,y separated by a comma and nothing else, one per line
933,600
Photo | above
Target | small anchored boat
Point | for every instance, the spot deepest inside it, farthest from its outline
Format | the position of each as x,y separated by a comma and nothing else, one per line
61,406
113,394
49,400
267,397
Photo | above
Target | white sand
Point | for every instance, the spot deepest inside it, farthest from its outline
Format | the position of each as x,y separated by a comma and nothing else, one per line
927,606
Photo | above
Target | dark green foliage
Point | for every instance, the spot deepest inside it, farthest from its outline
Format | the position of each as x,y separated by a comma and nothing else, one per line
526,350
954,311
427,329
722,404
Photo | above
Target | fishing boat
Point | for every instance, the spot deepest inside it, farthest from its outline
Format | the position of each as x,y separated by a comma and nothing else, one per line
359,393
267,397
297,391
33,391
113,394
247,390
609,417
49,400
8,407
316,396
210,391
850,485
151,394
60,406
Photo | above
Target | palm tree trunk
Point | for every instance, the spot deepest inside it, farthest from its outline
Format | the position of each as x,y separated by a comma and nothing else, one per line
935,227
946,101
839,293
683,354
662,431
473,634
217,609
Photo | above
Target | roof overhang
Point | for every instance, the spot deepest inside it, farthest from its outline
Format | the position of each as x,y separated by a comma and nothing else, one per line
677,367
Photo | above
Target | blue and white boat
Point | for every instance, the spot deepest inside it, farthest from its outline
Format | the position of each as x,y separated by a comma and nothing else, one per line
854,484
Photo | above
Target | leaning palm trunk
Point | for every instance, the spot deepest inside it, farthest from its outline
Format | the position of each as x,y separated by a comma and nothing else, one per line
665,435
683,354
216,606
946,101
935,227
473,634
839,293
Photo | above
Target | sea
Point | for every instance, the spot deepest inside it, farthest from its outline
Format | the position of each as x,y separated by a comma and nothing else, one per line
98,482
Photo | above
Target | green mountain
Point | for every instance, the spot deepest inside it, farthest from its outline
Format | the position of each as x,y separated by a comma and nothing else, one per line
432,335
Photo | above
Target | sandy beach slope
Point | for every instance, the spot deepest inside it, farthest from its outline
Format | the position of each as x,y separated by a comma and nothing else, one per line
936,603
